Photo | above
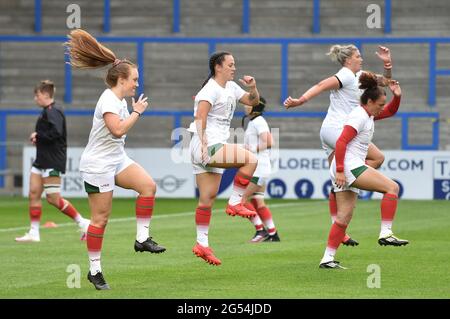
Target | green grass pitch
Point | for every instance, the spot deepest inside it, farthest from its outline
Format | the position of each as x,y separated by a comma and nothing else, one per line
288,269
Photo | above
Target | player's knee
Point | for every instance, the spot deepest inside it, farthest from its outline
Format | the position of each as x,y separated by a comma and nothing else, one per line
147,188
379,161
344,218
100,220
393,188
53,199
34,194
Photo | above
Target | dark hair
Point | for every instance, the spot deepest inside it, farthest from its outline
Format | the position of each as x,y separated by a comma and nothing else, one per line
85,52
258,109
45,86
368,83
216,58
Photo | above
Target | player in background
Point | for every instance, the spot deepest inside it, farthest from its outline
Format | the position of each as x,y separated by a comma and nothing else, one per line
104,162
258,140
50,139
349,171
210,154
344,97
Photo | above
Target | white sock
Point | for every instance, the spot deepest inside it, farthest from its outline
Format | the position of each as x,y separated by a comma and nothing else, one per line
34,229
202,235
256,221
142,229
328,255
386,228
333,219
79,219
236,195
269,224
94,262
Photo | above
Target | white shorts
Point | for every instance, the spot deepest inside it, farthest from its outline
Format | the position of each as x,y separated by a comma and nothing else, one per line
260,181
263,171
329,137
196,158
46,172
352,169
105,182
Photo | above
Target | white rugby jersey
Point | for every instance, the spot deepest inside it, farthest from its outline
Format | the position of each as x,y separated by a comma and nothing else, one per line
255,128
104,151
223,102
344,99
364,124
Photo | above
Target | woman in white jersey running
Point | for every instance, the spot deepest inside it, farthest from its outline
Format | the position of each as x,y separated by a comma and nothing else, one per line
258,140
344,97
104,162
350,173
210,154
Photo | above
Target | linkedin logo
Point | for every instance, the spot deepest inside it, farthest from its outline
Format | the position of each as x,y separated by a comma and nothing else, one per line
276,188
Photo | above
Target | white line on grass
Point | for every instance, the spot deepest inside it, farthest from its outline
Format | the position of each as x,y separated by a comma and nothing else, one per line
126,219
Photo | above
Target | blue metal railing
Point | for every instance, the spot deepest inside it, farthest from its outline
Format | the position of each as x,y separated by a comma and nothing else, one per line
284,43
316,16
177,116
176,16
106,16
37,16
387,16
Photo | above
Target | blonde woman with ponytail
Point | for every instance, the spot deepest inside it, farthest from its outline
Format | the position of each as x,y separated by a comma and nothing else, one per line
104,163
344,97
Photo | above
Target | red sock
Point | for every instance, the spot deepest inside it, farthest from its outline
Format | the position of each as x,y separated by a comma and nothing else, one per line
35,213
337,233
241,180
264,213
388,207
332,205
144,206
203,216
255,203
94,238
66,207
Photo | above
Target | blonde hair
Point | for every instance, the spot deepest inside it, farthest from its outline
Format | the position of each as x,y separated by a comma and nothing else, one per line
340,53
85,52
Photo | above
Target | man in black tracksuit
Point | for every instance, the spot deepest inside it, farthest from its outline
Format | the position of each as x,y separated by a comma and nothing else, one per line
50,139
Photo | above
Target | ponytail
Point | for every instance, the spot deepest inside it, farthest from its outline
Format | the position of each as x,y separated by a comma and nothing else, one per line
368,83
85,52
340,53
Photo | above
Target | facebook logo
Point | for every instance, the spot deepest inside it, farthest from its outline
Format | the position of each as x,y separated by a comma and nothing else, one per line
276,188
304,188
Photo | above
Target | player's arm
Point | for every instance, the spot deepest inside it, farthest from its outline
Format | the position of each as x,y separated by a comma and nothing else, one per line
348,134
119,127
252,96
392,107
384,54
265,142
331,83
55,130
200,119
